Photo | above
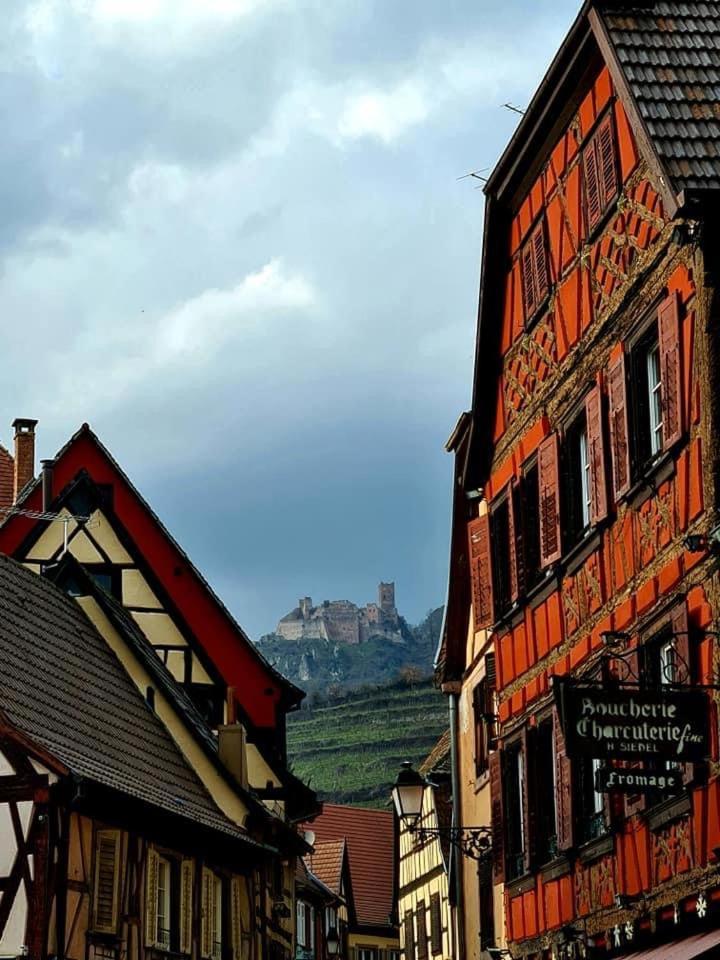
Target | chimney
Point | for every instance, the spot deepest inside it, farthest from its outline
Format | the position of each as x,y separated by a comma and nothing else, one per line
24,454
232,749
46,472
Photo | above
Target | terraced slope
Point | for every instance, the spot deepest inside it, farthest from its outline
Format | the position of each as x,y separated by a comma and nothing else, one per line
350,749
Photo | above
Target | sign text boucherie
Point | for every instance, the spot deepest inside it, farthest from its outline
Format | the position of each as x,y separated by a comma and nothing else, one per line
634,724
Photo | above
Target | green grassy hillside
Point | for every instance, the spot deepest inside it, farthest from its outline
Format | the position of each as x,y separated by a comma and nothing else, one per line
350,749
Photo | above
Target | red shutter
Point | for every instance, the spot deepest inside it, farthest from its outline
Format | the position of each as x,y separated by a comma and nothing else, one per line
605,139
592,185
670,374
497,819
513,551
684,665
634,802
619,434
563,788
528,281
491,671
481,571
540,263
596,455
549,487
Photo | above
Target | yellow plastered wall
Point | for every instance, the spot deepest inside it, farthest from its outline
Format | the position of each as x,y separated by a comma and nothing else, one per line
221,792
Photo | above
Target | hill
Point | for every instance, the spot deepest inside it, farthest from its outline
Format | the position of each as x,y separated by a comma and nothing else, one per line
350,748
323,666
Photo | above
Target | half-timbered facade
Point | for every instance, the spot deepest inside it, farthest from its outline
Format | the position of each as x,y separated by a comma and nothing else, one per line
586,498
127,829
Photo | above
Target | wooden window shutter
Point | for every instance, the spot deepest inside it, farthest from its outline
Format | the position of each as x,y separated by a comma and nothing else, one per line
409,931
563,788
683,647
605,139
670,373
481,571
596,455
549,486
491,671
187,869
592,186
107,881
634,802
236,921
435,924
151,896
513,530
619,434
528,280
540,264
421,928
528,807
207,913
497,818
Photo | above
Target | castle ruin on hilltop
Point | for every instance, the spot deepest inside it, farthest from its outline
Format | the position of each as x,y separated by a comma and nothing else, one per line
340,621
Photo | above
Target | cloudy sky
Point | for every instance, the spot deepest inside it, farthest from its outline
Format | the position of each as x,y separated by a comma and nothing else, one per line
234,240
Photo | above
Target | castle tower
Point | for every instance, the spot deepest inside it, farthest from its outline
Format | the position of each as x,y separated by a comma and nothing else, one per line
305,604
386,599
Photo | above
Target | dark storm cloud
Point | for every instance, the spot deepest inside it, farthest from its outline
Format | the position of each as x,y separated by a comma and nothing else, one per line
233,239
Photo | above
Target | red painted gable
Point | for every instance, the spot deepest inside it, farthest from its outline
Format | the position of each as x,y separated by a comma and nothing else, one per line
260,691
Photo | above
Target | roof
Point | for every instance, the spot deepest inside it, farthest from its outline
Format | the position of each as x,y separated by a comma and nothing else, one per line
326,862
670,55
438,760
172,560
64,689
370,843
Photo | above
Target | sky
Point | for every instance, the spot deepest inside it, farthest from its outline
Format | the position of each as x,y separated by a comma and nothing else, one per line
235,241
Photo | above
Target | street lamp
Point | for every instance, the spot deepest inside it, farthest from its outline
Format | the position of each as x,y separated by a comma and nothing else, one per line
332,942
407,794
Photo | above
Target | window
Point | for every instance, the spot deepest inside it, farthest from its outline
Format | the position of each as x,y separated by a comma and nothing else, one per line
530,500
600,174
482,711
435,924
534,268
421,931
367,953
501,545
164,919
331,919
218,904
487,907
516,826
645,393
578,503
544,794
212,915
591,804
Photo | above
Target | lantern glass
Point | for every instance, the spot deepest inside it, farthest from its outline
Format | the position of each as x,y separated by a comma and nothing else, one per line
332,942
407,795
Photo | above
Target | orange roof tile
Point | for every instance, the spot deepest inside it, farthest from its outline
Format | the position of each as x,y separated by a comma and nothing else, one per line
370,843
326,862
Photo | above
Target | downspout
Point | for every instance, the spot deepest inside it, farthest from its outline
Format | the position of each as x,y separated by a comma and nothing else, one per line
453,689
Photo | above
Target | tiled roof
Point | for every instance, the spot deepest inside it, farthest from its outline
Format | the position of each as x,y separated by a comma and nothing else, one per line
670,55
64,688
326,862
370,843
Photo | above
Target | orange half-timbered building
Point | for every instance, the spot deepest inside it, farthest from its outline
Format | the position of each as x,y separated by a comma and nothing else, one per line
586,496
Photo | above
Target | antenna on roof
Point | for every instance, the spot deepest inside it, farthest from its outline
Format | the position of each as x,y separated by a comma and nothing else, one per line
63,518
476,174
509,106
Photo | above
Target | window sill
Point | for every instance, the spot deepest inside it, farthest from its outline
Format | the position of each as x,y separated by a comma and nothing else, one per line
543,588
650,480
520,885
559,867
593,850
482,780
582,550
667,811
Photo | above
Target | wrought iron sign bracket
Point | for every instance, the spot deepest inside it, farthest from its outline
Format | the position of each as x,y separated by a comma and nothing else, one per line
472,842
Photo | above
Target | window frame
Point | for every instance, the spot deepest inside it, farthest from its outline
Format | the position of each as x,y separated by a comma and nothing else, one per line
516,833
501,550
592,144
539,280
576,479
645,341
482,693
544,791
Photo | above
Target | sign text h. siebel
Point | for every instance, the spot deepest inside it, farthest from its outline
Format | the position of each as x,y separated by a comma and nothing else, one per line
633,724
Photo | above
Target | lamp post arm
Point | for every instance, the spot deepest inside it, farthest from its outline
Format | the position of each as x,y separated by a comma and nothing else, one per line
472,842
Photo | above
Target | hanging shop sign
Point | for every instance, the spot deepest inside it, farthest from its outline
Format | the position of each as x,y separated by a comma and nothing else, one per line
636,780
629,724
